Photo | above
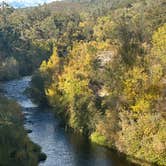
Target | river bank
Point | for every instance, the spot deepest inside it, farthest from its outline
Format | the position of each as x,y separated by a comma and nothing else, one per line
61,148
15,146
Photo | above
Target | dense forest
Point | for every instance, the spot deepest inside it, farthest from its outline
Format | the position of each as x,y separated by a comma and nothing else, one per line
101,65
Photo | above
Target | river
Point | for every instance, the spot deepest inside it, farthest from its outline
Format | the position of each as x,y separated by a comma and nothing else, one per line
62,148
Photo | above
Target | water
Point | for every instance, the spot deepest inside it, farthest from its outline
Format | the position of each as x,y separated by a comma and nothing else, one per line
61,148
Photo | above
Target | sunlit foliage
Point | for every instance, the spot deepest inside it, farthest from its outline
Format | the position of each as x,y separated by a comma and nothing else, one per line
107,74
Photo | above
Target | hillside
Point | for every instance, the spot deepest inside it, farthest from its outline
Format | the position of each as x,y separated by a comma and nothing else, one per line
108,81
100,65
28,35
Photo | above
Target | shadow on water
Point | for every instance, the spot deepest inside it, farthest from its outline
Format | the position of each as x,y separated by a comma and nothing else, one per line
62,148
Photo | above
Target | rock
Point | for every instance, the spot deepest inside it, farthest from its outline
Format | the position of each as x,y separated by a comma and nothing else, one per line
25,119
29,131
29,121
42,157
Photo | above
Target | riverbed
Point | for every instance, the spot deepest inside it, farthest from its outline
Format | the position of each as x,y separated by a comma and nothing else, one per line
62,148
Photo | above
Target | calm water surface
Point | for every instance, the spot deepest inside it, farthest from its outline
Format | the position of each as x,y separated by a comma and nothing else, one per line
61,148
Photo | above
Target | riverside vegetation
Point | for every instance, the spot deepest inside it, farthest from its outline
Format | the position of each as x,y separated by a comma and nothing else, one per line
15,146
107,74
